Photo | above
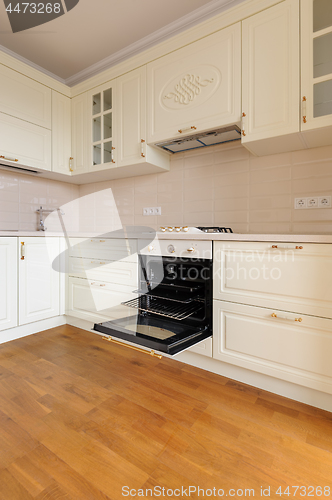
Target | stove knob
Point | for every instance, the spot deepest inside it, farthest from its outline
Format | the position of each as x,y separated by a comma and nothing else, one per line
170,229
185,229
191,249
150,248
171,248
163,229
177,229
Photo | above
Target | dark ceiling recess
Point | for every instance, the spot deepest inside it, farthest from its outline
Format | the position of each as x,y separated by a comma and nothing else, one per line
70,4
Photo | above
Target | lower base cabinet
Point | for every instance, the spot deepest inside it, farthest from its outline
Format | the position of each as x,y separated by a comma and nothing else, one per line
39,286
285,345
8,279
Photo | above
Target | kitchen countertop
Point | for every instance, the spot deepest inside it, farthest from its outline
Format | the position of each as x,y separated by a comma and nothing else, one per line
285,238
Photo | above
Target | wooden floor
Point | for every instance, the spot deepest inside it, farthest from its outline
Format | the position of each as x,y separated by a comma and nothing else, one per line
81,418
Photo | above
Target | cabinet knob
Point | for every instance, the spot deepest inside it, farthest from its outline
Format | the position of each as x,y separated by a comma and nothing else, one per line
150,248
243,133
243,115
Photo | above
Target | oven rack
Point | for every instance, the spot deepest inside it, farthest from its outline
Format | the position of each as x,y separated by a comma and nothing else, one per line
174,310
174,295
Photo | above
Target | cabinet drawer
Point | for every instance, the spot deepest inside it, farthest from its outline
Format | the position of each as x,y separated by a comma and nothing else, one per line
28,143
96,300
280,346
123,273
204,348
104,249
24,98
291,277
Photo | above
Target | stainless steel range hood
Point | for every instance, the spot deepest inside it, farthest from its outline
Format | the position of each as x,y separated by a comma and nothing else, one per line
202,139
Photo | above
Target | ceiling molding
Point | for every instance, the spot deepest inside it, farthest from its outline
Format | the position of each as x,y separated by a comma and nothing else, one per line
31,64
213,8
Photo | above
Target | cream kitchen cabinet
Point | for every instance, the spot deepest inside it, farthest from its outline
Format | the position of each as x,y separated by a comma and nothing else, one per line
287,346
79,134
292,277
133,150
270,80
197,87
8,289
102,130
316,71
102,273
39,283
61,133
23,143
24,98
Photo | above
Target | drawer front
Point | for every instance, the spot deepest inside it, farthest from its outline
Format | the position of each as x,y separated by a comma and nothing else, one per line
204,348
104,249
281,344
96,300
292,277
122,273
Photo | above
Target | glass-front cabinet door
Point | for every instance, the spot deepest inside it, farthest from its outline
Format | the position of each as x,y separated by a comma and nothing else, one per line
316,35
102,126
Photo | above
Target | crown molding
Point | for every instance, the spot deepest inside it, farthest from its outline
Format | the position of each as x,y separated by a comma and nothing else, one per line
32,70
200,15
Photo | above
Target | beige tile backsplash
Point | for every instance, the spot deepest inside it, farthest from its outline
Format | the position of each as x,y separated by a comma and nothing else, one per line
221,185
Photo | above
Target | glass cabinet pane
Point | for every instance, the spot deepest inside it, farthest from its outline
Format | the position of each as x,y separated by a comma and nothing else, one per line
107,152
107,99
323,55
322,14
108,126
97,154
96,104
323,98
96,127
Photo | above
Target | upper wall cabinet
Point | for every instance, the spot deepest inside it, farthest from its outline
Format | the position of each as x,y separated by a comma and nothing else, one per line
61,133
197,87
316,40
101,127
133,153
79,133
24,98
270,80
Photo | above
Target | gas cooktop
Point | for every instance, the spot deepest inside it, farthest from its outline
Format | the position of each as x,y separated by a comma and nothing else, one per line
195,230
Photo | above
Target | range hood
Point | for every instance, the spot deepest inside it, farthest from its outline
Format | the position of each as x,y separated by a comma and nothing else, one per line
202,139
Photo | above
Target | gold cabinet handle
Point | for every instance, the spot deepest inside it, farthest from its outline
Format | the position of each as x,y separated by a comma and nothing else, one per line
191,249
299,320
134,348
8,159
22,250
288,248
243,133
142,148
304,109
112,160
182,130
298,248
71,164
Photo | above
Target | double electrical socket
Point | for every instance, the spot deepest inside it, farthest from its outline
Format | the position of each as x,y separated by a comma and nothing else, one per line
152,211
313,202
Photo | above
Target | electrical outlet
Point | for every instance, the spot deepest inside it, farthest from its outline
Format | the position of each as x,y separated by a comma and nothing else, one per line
324,201
300,203
152,211
157,211
312,202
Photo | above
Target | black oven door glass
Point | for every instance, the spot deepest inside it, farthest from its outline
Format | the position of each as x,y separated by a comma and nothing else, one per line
159,334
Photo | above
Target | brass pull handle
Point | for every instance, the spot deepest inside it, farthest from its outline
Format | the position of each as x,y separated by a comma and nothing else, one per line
191,249
182,130
134,348
274,315
274,246
243,133
22,250
299,248
243,115
142,148
304,109
8,159
71,164
112,160
102,285
287,248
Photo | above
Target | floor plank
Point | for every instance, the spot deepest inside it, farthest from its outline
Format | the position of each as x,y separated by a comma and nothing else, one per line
81,419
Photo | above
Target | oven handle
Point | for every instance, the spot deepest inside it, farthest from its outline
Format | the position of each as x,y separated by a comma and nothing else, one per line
134,348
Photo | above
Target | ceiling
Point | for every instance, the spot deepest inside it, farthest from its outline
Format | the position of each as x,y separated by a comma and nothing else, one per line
72,46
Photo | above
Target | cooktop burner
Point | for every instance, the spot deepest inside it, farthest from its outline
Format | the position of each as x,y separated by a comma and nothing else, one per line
215,229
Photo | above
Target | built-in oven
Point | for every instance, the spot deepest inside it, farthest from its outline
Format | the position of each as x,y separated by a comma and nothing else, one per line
172,309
